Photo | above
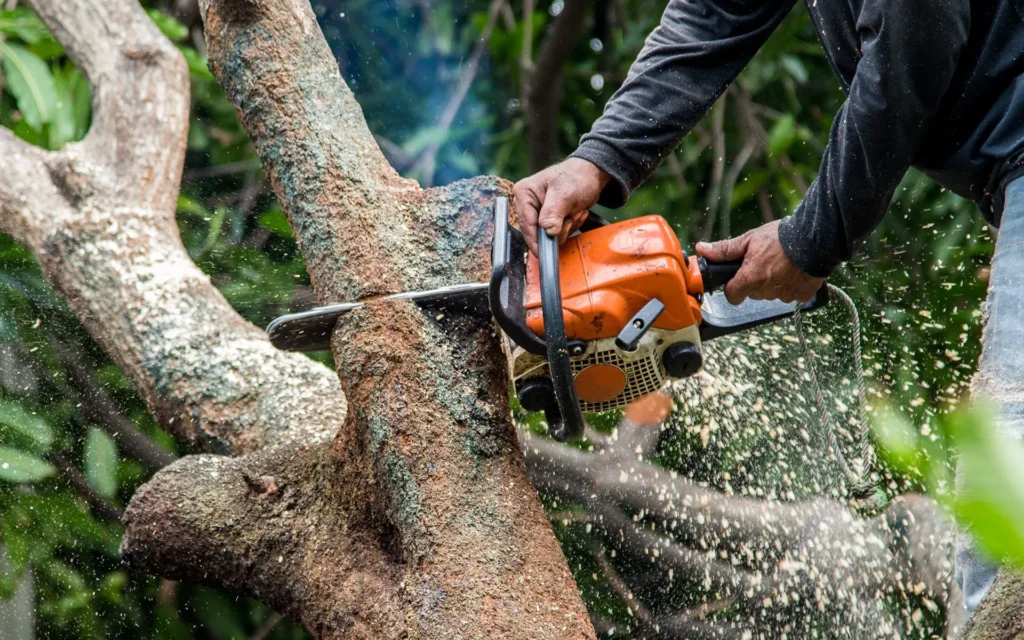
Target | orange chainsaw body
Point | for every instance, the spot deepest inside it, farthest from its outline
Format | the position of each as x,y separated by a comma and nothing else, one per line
608,274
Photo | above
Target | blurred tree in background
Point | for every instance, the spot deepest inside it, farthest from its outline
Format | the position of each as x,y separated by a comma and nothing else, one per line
451,89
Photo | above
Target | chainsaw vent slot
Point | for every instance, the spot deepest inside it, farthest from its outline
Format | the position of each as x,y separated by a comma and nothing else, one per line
643,375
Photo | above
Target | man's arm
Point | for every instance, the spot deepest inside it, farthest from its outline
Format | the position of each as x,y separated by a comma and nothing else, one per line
685,65
906,67
687,62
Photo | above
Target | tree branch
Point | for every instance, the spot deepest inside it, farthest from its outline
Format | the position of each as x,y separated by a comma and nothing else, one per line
544,92
775,550
1001,614
99,503
100,410
99,215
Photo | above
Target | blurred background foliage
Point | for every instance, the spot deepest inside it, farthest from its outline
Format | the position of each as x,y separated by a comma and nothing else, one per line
451,89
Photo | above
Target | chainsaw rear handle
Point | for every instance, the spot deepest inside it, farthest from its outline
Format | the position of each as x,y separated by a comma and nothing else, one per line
715,275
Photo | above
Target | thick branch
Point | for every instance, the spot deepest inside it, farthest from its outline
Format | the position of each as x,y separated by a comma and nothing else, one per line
429,420
1001,614
283,526
774,548
25,189
139,86
99,215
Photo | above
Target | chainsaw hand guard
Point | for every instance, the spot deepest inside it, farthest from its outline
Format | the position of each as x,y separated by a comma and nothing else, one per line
508,282
564,419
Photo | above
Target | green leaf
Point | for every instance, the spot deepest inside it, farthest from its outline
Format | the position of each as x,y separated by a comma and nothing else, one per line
198,65
425,137
783,135
31,82
897,440
73,110
101,462
169,625
187,204
275,220
171,28
21,23
18,545
62,130
26,428
796,68
219,615
20,467
216,224
991,498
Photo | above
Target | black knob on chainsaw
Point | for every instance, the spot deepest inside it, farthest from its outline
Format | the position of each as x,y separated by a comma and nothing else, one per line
682,360
536,394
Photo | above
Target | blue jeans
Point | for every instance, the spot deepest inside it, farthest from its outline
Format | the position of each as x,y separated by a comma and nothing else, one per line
1000,373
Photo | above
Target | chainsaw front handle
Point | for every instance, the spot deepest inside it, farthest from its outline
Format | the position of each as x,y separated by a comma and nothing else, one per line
568,421
715,275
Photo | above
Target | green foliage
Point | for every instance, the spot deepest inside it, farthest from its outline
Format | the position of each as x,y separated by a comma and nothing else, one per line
19,467
990,464
31,82
101,462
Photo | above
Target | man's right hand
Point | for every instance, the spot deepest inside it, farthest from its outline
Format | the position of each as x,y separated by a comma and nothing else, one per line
559,198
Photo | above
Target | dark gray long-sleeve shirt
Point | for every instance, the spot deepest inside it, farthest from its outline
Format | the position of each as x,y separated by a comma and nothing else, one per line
935,84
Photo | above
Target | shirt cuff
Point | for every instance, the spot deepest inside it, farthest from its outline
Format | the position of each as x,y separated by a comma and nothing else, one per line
606,158
804,251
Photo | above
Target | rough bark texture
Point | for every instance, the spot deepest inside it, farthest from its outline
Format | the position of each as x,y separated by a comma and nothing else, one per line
1001,614
429,434
99,216
419,519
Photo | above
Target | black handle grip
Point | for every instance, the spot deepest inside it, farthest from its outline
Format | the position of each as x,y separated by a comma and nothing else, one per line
571,423
716,275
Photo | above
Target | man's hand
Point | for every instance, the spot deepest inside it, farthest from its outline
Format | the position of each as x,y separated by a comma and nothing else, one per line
767,272
559,197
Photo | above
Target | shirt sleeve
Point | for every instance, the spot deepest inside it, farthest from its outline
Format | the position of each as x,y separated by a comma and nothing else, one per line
909,54
686,64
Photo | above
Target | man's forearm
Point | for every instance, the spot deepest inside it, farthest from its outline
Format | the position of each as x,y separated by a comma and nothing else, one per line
685,65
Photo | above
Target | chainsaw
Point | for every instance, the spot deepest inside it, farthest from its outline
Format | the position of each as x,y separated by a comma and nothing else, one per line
609,317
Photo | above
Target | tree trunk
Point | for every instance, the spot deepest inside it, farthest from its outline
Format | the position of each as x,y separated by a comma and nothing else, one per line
408,514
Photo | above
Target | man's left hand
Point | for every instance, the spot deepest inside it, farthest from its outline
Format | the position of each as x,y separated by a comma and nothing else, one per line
767,272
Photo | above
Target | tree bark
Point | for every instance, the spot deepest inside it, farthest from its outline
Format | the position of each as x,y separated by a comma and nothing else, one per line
1001,614
408,513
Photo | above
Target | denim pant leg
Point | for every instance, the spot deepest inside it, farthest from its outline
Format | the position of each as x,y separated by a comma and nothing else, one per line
1000,377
